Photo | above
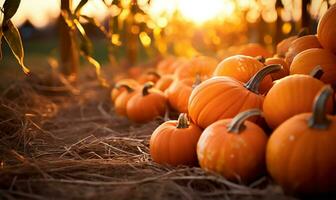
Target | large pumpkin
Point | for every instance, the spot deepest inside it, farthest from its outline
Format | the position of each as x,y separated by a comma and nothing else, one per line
326,30
121,101
283,46
305,61
234,148
164,82
254,49
174,142
290,96
116,91
280,61
301,152
224,97
149,76
146,104
201,66
301,44
242,68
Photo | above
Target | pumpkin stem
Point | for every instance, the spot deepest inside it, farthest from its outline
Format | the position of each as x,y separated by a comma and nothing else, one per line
254,82
237,123
182,121
260,59
154,73
303,32
319,118
317,72
127,87
146,87
198,81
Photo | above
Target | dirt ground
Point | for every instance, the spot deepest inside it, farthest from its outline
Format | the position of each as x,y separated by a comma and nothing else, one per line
67,143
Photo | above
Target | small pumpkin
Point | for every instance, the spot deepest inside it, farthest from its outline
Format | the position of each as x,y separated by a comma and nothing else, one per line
224,97
179,92
305,61
121,101
135,71
202,66
164,82
283,46
234,148
301,44
174,142
290,96
116,91
280,61
242,68
254,49
149,76
326,29
146,104
166,66
300,153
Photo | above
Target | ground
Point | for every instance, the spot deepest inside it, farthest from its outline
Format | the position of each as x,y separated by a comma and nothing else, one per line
58,142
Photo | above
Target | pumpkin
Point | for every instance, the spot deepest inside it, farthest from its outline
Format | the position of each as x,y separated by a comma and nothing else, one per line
300,153
305,61
166,66
164,82
135,71
254,49
290,96
116,91
326,29
234,148
121,101
242,68
146,104
174,142
285,67
198,66
301,44
224,97
150,76
179,92
283,46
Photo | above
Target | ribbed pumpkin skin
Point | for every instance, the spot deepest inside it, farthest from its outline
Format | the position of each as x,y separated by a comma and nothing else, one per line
143,109
116,92
283,46
164,82
242,68
120,103
305,62
290,96
220,98
254,49
178,94
301,44
174,146
201,66
326,29
302,159
233,154
282,73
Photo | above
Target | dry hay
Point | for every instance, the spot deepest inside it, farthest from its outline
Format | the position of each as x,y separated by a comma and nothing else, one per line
72,146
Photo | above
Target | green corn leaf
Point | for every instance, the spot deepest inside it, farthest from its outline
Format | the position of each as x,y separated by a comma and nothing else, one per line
10,7
13,39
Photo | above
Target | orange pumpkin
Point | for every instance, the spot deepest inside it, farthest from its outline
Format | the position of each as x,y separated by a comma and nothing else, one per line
242,68
166,66
150,76
117,91
305,61
179,92
280,61
135,72
300,153
164,82
121,101
290,96
224,97
146,104
326,29
234,148
283,46
301,44
254,49
201,66
174,142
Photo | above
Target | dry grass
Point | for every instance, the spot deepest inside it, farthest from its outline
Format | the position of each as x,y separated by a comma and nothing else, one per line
61,144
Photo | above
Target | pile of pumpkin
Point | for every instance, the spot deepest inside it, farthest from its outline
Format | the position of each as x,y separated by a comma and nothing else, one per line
225,108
